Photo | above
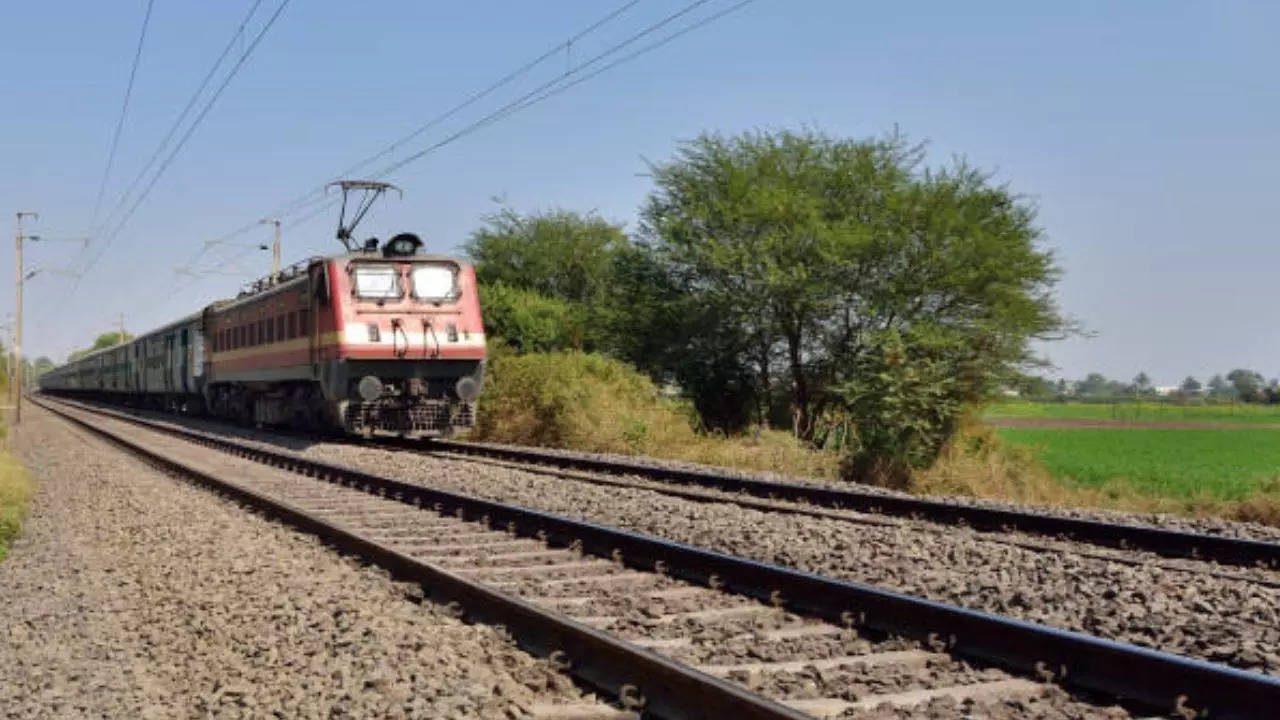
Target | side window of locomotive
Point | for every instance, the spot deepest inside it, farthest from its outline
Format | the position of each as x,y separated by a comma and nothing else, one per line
376,282
293,324
279,328
271,330
303,327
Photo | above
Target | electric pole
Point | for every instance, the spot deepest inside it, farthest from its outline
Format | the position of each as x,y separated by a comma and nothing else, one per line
121,342
17,328
275,249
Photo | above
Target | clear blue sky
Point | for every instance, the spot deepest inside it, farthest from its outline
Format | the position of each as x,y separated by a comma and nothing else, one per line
1147,132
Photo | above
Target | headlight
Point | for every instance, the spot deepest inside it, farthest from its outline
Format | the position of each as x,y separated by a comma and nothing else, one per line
468,388
434,282
370,388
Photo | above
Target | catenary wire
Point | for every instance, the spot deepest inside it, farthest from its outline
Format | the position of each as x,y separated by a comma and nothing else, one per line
316,196
124,110
182,116
529,99
178,147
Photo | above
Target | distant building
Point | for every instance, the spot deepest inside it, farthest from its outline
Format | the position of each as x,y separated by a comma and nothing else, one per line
1166,390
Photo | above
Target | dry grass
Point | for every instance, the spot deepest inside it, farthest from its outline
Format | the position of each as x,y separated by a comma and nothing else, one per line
15,490
582,401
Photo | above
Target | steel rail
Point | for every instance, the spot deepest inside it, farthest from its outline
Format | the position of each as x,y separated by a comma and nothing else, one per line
1160,541
1131,674
663,688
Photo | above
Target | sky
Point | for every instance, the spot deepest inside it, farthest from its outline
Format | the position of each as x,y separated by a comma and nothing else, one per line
1146,133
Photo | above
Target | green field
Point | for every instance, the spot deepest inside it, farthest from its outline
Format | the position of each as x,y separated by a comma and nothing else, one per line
1173,463
1132,411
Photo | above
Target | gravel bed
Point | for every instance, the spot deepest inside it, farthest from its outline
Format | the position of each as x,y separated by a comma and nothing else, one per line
1214,618
1207,525
640,609
134,595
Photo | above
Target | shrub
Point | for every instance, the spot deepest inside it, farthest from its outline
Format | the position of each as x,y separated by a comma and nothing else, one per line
580,401
527,320
899,407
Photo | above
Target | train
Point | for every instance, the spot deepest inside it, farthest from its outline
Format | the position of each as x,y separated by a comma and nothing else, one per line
376,340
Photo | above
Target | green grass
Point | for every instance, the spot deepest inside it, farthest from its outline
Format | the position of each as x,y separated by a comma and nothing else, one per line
1172,463
15,490
1133,411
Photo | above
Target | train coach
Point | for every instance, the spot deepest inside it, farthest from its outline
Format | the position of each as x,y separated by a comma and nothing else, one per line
383,340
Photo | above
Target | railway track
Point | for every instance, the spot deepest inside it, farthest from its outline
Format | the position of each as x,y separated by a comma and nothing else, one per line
1159,541
677,631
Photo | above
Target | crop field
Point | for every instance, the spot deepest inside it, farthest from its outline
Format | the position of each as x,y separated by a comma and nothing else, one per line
1135,412
1175,463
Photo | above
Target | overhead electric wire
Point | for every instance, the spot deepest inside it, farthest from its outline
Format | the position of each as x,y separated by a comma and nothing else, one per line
524,100
182,116
316,195
124,110
548,88
545,91
181,143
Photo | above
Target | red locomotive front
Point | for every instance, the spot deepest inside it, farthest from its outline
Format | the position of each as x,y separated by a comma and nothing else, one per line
386,340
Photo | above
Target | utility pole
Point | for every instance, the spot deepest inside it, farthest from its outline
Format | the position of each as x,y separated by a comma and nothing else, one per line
17,327
121,329
275,249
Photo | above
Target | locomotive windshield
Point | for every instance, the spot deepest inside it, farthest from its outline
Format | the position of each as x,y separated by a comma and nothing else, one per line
434,282
377,282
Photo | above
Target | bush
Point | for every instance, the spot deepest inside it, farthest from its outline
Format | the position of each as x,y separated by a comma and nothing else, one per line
527,320
579,401
898,409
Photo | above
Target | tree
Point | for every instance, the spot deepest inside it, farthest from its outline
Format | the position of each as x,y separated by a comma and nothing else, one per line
1141,384
1190,386
824,254
103,341
560,254
1094,385
529,321
564,256
1219,387
1247,383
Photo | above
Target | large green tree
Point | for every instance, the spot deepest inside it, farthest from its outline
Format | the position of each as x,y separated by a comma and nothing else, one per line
546,276
558,253
824,253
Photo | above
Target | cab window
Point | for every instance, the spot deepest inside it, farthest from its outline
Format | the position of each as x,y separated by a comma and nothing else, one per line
435,281
376,282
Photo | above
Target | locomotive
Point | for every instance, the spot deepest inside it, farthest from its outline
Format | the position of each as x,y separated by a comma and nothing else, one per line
385,340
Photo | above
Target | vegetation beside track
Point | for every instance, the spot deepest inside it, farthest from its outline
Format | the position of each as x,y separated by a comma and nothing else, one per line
15,490
589,402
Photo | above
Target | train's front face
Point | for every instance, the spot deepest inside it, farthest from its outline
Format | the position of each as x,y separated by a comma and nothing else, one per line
411,344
